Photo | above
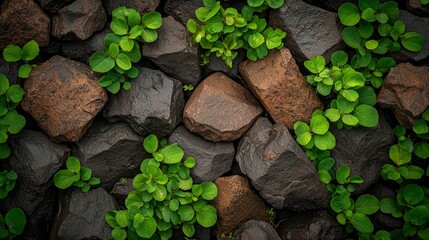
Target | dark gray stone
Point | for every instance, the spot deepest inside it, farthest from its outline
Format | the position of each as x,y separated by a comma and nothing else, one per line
81,215
382,220
212,159
182,10
79,20
154,104
364,150
279,169
121,189
139,5
53,6
36,160
10,70
318,225
310,30
112,151
173,54
256,230
216,64
335,4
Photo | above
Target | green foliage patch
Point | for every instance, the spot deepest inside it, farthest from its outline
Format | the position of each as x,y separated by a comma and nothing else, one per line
13,53
7,182
12,224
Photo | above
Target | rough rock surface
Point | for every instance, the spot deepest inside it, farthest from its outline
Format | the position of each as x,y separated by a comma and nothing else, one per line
318,225
310,30
220,109
81,215
382,220
35,159
364,150
256,230
139,5
10,70
236,203
182,10
111,151
335,4
416,7
173,53
280,86
53,6
216,64
79,20
279,169
154,104
121,189
406,92
22,21
63,96
212,159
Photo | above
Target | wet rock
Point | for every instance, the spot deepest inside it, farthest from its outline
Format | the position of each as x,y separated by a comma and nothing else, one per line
364,150
154,104
173,50
256,230
310,30
416,7
139,5
35,159
121,189
63,96
79,20
220,109
216,64
212,159
81,215
280,86
382,220
406,92
23,21
236,204
318,225
53,6
279,169
112,151
182,10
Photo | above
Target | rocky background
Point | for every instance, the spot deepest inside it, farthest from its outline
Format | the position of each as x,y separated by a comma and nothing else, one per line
224,123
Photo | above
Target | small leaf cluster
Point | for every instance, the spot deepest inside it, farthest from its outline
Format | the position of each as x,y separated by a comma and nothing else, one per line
122,47
316,135
188,87
11,122
12,224
261,5
7,182
27,53
225,31
165,197
76,175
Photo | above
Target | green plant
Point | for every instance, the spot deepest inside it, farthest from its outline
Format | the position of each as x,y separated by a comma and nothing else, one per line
224,31
28,52
165,197
424,2
317,134
7,182
261,5
76,175
228,236
122,47
12,224
188,87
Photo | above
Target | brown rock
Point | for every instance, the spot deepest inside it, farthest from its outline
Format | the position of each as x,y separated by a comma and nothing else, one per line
139,5
406,92
79,20
236,204
220,109
63,96
416,7
22,21
279,85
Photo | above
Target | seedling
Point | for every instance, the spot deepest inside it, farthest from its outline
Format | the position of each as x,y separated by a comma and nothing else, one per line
13,53
76,175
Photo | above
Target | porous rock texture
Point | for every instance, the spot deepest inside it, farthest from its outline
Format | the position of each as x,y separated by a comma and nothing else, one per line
63,96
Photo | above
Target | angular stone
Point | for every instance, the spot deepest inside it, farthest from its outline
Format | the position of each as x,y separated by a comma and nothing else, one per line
216,64
154,104
173,50
111,151
81,215
416,7
63,96
23,21
318,225
79,20
182,10
279,169
236,203
35,159
364,150
139,5
212,159
220,109
310,30
10,70
53,6
383,220
256,230
406,92
280,86
121,189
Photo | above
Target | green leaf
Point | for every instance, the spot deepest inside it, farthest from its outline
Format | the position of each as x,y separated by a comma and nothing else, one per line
350,120
384,64
150,143
412,41
326,164
65,178
15,93
325,141
149,35
172,154
339,58
365,4
301,127
207,216
186,213
399,155
316,64
274,4
391,9
349,14
152,20
15,220
304,138
12,53
126,43
119,234
332,114
256,39
382,18
420,127
114,87
160,193
389,206
119,27
24,71
209,191
421,149
319,124
73,164
351,37
350,95
85,173
367,115
101,62
367,96
413,194
188,230
189,162
255,3
123,61
340,203
145,225
367,204
30,50
353,79
174,205
4,84
362,223
4,151
122,218
371,44
342,174
192,26
418,216
324,176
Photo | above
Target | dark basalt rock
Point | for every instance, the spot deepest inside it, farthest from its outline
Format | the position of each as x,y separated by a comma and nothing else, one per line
52,6
139,5
380,219
121,189
182,10
256,230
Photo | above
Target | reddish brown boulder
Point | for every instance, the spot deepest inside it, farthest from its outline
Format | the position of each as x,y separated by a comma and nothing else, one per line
236,203
22,21
63,96
280,86
220,109
406,92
